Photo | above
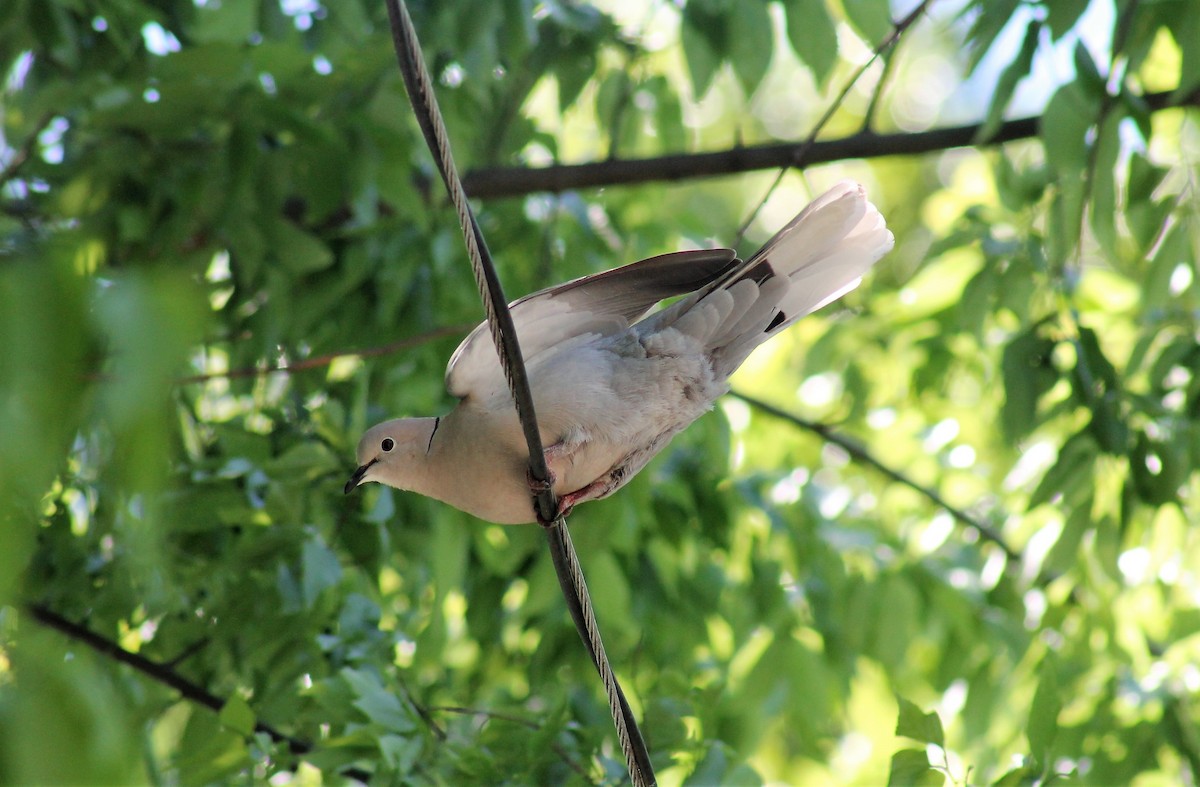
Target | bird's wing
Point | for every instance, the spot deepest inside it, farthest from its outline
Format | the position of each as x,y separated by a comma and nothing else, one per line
582,310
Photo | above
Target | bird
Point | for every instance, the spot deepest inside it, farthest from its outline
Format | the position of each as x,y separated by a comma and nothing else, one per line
613,379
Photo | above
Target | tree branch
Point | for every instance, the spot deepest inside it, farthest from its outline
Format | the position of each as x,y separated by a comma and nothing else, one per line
166,676
320,361
800,151
861,455
517,181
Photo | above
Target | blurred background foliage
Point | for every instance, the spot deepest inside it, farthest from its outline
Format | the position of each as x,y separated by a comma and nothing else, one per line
194,193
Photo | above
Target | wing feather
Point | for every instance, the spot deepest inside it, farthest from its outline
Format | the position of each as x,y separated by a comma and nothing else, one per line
589,307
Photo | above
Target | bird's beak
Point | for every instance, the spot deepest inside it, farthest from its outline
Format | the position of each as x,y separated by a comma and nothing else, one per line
357,478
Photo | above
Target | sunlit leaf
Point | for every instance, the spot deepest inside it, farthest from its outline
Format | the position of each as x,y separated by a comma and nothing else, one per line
1071,470
911,767
918,725
237,716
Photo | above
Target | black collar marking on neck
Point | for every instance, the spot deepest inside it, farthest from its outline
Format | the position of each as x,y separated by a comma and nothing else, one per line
436,422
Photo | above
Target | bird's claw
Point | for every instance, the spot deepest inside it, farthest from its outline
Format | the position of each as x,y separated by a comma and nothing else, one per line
538,486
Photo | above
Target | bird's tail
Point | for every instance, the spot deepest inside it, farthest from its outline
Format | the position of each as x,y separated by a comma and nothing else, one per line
818,257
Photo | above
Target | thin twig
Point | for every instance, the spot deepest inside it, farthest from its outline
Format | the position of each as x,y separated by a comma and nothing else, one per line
422,711
877,95
798,154
321,361
860,454
163,674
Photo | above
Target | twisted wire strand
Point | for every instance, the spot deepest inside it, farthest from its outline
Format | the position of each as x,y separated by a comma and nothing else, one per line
566,561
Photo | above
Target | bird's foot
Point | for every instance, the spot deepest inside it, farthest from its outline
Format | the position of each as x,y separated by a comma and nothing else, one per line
536,486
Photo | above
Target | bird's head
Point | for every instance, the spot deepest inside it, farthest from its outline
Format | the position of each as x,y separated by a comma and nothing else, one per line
390,452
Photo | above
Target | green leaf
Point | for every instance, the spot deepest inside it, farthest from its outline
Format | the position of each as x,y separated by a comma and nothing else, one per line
1185,29
321,570
1023,776
1087,74
751,42
1065,219
1103,212
520,32
611,594
896,613
991,18
1071,471
1159,468
1065,551
573,75
703,38
813,35
1042,728
911,767
1069,114
1061,15
1098,387
400,752
236,715
716,768
64,718
303,463
668,114
229,22
1006,85
381,706
298,251
918,725
1144,214
614,102
1028,373
209,752
872,18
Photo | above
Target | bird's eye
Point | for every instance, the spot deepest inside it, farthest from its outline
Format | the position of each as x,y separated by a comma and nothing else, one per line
388,444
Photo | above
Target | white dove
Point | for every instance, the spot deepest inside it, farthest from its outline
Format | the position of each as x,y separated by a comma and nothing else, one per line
611,385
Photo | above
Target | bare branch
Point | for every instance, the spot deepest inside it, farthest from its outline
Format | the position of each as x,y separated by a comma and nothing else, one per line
863,456
798,154
165,675
517,181
320,361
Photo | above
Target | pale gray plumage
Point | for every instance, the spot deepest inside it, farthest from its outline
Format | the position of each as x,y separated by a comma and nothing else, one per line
611,385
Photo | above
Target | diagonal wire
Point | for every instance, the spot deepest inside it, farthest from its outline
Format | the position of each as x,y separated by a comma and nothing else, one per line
566,562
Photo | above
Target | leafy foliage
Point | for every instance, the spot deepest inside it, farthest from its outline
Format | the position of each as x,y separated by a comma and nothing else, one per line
195,195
